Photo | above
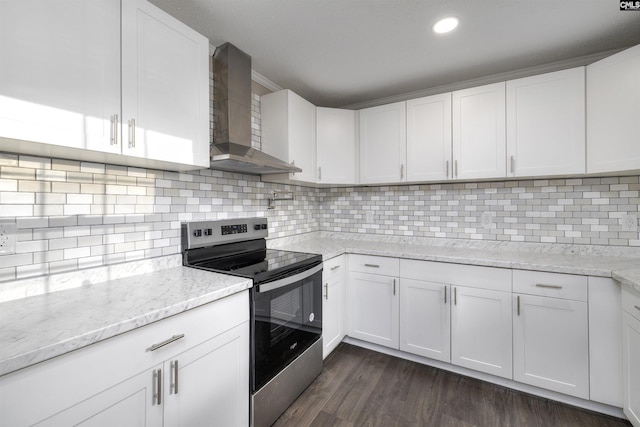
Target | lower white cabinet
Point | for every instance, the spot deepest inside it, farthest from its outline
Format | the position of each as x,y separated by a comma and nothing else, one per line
333,304
631,354
481,330
196,378
425,325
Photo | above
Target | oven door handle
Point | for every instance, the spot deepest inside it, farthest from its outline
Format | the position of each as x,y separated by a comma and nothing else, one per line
270,286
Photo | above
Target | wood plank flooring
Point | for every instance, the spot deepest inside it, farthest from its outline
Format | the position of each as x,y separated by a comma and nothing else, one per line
360,387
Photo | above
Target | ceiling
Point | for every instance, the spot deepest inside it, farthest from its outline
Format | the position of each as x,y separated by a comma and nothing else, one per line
346,52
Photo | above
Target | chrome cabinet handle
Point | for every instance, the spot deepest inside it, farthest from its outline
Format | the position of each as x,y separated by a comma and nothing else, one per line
542,285
319,173
154,347
455,296
114,129
446,168
513,164
455,165
326,290
335,268
445,294
157,386
394,286
174,372
132,133
372,265
518,304
401,171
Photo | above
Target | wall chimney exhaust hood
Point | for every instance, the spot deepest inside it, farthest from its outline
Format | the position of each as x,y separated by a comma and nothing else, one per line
231,149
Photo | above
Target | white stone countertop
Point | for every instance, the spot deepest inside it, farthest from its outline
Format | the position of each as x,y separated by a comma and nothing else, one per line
623,268
40,327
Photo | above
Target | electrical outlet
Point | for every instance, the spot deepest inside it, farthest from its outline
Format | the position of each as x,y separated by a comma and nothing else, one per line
7,236
487,219
629,223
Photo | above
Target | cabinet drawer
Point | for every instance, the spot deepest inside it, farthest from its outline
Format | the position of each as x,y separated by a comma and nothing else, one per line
374,265
333,267
631,301
473,276
556,285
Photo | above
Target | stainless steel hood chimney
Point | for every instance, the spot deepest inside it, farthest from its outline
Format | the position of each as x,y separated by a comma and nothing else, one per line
231,149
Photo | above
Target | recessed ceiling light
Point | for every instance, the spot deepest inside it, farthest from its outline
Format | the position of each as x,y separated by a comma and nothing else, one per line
445,25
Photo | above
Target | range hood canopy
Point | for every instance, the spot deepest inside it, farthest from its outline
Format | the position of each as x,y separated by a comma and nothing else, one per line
231,149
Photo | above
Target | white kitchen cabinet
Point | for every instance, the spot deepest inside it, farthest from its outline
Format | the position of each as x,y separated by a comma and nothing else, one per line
429,148
61,92
425,325
605,341
546,124
383,144
60,72
631,354
333,304
479,147
118,381
481,330
336,146
289,131
551,332
613,100
374,300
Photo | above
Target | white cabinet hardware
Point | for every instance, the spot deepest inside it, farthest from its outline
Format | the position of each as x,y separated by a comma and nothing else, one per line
174,338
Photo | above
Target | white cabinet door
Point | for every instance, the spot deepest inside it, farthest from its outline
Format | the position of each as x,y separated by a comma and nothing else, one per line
631,367
336,145
373,308
429,138
60,72
210,382
165,87
289,131
613,102
425,327
333,304
383,144
481,330
130,403
605,341
479,148
551,344
546,124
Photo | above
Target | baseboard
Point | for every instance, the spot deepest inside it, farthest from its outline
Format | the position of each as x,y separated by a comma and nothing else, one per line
525,388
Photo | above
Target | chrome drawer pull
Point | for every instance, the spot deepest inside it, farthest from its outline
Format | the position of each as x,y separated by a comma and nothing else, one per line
165,342
541,285
335,268
372,265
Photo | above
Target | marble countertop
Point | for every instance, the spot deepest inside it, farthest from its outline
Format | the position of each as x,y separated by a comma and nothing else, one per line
37,328
624,269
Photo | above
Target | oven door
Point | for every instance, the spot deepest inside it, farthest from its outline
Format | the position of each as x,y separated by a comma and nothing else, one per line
286,319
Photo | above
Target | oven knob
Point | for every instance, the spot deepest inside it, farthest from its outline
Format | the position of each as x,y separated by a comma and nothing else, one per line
256,227
208,232
264,226
197,233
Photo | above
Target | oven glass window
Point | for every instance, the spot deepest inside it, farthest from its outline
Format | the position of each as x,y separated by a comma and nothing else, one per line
287,321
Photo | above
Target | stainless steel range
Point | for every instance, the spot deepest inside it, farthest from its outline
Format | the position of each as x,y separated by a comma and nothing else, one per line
286,307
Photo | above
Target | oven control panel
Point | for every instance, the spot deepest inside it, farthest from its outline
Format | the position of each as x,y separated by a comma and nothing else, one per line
197,234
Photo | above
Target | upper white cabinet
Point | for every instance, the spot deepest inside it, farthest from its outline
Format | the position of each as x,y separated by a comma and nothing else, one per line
383,144
165,87
429,138
336,146
289,131
613,102
61,90
546,124
60,72
479,148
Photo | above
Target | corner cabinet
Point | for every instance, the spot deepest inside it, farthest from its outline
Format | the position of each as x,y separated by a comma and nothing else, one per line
61,92
289,131
336,146
613,102
546,124
202,373
631,354
383,144
479,147
333,304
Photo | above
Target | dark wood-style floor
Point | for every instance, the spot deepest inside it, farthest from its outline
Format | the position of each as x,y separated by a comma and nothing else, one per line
360,387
